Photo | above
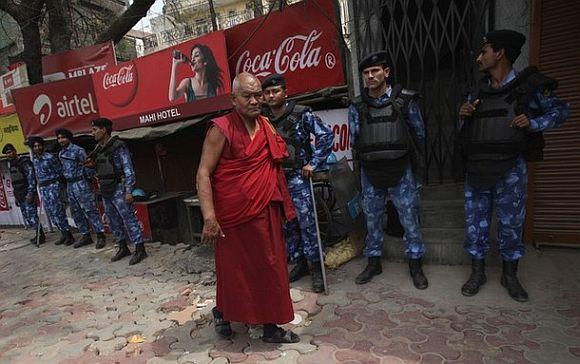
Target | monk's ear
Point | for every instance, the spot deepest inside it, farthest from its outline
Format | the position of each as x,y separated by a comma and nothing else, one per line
233,99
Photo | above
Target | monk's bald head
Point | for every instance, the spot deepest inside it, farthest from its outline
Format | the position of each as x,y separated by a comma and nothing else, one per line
247,95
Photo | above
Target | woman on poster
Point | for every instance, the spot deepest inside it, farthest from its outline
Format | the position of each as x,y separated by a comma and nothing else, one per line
207,79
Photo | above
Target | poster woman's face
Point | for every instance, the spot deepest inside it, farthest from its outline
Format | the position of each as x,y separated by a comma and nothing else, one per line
197,59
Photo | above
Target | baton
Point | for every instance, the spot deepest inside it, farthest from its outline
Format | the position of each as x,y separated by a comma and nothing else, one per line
38,227
323,268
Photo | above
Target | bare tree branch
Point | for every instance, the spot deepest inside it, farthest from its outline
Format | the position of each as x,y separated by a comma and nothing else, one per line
125,21
59,24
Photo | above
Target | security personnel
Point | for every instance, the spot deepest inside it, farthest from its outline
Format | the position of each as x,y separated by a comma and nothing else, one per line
112,161
387,134
24,185
48,173
80,194
295,123
501,128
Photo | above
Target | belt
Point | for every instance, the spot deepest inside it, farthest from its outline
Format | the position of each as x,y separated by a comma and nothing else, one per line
75,179
47,182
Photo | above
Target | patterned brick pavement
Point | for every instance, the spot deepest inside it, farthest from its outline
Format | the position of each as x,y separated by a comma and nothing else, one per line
64,305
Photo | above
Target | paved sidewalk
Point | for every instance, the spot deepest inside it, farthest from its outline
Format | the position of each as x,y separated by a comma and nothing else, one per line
65,305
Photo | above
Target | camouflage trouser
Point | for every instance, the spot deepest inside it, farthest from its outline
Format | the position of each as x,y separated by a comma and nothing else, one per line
54,205
300,233
405,197
509,198
83,207
120,216
29,213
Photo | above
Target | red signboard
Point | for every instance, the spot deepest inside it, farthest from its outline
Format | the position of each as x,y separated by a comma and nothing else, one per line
78,62
3,199
67,104
189,79
301,43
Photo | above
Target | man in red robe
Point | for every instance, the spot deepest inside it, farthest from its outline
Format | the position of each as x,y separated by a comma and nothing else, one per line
244,198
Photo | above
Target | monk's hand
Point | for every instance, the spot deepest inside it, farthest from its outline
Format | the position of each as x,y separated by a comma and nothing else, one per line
307,171
521,121
89,163
467,109
128,198
211,232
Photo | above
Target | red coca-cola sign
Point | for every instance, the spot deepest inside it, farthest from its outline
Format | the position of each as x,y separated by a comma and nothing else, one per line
299,42
120,84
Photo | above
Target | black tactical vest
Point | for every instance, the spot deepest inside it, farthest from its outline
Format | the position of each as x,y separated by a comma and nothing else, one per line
19,183
286,126
109,176
490,145
384,143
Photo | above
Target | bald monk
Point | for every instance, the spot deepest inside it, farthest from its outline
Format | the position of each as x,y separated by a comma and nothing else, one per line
244,200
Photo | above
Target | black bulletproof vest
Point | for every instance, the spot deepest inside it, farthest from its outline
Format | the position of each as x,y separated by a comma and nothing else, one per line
18,178
109,176
383,142
490,145
286,126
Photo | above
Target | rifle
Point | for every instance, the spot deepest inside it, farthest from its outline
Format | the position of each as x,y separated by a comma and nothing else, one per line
98,149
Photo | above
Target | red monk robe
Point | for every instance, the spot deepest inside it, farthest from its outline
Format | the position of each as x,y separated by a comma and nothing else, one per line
250,198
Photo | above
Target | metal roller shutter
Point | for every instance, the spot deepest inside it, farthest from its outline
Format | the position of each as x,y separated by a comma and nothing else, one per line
554,201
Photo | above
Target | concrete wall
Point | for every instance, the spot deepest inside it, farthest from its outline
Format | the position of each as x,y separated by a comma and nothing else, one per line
515,15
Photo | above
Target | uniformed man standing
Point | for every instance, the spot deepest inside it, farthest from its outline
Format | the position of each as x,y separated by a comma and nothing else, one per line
116,175
501,128
387,134
24,186
295,123
80,194
48,173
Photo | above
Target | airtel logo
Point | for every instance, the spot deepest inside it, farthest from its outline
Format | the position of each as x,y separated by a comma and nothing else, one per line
65,107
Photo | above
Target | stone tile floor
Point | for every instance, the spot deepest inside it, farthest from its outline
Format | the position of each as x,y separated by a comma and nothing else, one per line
65,305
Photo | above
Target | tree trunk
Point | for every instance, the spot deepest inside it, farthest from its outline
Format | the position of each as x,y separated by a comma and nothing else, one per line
59,24
212,15
258,8
125,21
32,54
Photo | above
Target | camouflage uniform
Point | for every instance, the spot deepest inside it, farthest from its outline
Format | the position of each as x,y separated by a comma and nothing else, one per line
300,233
28,209
48,172
80,195
510,192
121,215
405,195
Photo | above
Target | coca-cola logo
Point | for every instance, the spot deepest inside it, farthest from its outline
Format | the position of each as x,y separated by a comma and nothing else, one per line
295,53
120,84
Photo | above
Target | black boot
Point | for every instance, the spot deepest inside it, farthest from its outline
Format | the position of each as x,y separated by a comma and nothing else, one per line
62,239
416,270
122,252
139,254
101,241
85,240
317,281
300,270
222,327
373,268
509,279
69,238
476,279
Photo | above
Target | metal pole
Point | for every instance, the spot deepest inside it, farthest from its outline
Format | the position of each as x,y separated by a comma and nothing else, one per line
322,267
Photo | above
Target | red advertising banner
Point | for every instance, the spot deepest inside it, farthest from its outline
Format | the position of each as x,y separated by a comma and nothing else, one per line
67,104
301,43
3,198
78,62
189,79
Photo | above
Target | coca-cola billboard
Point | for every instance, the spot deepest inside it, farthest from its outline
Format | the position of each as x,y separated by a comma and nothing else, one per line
189,79
300,43
70,104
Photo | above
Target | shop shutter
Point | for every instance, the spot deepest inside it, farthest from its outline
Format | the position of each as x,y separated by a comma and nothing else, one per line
554,204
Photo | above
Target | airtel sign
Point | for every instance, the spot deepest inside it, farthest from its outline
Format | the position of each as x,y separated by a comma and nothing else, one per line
67,104
307,50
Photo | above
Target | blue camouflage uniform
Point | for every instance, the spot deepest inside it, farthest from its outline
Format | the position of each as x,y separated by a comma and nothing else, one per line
28,209
80,195
121,215
301,238
405,195
510,192
48,173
